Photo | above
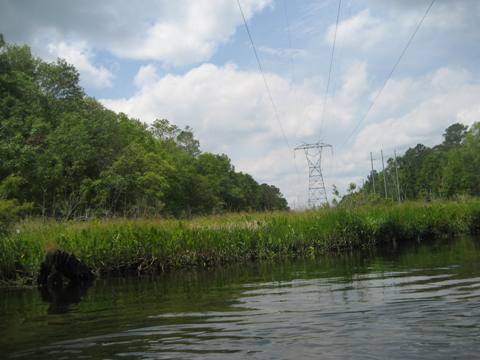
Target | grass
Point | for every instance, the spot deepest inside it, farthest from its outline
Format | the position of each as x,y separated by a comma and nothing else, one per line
123,246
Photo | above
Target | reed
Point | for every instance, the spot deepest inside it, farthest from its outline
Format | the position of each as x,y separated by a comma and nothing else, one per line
126,246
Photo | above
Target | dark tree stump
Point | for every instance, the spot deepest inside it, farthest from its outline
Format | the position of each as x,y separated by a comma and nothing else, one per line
59,265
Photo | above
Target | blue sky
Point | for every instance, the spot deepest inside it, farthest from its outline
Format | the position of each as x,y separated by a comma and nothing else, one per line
191,61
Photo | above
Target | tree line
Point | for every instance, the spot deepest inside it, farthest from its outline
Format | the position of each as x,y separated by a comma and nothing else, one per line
64,155
445,171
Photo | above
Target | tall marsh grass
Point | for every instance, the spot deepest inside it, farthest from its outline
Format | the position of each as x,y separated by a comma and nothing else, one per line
156,245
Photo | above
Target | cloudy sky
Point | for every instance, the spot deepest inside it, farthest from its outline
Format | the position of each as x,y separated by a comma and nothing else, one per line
191,61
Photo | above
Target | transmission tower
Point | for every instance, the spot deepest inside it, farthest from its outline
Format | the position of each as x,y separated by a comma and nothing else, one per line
317,194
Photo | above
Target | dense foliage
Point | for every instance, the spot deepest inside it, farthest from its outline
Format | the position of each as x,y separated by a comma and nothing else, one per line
68,156
448,170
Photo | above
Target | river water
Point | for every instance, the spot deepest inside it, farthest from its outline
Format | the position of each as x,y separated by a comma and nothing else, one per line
418,303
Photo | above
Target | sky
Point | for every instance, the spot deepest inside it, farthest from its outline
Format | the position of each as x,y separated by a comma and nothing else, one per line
191,62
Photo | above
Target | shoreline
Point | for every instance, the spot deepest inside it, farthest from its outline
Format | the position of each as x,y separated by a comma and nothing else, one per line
126,247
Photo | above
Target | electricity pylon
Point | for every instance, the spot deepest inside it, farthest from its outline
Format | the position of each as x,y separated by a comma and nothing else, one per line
317,194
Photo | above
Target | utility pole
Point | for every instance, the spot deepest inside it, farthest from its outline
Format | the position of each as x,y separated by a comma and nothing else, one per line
317,194
373,175
396,174
384,174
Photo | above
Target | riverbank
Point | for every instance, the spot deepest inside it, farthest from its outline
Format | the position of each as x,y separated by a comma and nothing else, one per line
140,246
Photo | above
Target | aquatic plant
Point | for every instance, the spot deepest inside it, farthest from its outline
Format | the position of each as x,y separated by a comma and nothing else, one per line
148,245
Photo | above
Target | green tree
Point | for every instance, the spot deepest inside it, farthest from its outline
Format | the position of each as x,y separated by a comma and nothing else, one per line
70,157
447,170
454,135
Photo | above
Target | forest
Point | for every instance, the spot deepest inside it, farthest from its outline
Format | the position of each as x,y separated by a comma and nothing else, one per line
63,155
446,171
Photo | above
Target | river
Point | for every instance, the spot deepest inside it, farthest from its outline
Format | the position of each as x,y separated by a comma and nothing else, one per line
421,302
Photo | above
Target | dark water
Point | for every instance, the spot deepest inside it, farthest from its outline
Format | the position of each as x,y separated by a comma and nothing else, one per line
421,303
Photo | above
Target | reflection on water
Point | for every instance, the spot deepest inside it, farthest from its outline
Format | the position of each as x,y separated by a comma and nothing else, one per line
61,297
420,303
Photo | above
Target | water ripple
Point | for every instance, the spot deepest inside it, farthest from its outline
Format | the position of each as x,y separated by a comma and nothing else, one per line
429,313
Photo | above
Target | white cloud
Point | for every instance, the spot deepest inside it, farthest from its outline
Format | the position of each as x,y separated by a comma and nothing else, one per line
179,32
232,102
287,53
193,35
235,103
146,76
79,55
469,115
359,31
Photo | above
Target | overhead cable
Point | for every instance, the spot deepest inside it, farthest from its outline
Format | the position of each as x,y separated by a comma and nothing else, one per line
331,66
391,72
260,67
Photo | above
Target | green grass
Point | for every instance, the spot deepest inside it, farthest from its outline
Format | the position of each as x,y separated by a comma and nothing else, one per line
156,245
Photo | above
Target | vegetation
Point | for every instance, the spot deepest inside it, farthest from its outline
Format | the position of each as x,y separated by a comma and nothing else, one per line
67,157
446,171
157,245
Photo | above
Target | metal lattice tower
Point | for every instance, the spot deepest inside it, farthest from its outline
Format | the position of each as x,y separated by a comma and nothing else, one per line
317,194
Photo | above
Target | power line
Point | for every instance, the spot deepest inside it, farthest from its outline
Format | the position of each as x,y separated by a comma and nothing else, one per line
346,13
260,67
331,65
391,72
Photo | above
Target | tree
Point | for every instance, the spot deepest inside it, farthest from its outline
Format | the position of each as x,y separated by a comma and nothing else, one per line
69,156
163,130
447,170
187,142
454,135
351,188
271,198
